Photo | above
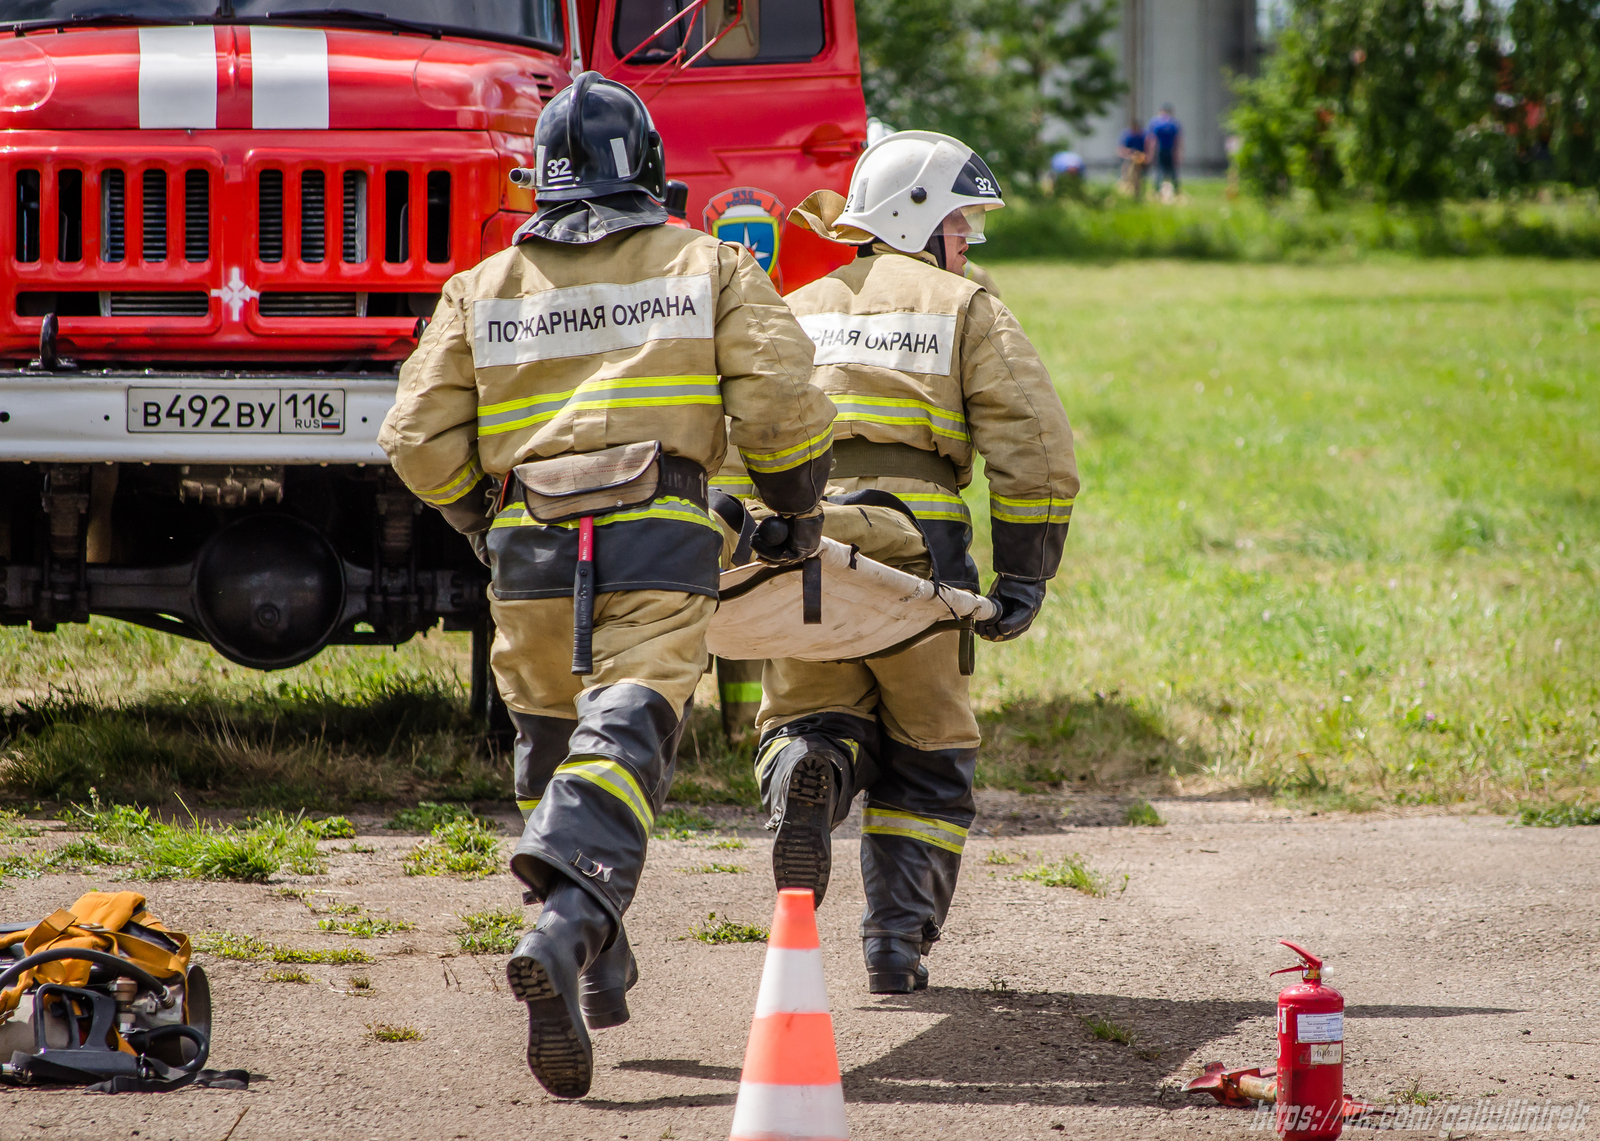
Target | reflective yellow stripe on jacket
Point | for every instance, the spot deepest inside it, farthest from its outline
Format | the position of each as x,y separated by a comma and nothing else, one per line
898,410
615,779
789,457
936,507
893,822
452,489
667,507
1046,510
616,392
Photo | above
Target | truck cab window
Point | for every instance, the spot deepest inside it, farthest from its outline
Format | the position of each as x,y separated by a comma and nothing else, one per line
772,31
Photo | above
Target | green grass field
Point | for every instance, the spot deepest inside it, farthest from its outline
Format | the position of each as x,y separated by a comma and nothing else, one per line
1338,538
1338,535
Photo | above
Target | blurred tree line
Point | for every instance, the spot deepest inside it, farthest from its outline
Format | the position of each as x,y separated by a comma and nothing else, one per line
1419,100
1011,78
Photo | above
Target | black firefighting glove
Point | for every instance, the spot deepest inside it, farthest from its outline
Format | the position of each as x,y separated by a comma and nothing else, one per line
783,540
1019,600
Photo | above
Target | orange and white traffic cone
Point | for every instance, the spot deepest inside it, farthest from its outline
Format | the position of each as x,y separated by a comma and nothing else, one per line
789,1090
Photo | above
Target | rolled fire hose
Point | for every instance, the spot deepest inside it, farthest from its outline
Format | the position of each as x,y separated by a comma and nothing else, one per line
868,610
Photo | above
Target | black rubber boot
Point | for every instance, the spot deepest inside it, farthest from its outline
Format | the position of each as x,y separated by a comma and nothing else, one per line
603,988
802,853
894,966
543,973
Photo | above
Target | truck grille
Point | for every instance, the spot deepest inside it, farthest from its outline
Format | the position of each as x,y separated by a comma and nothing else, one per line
154,224
275,304
269,218
113,215
152,304
196,215
354,216
155,215
313,216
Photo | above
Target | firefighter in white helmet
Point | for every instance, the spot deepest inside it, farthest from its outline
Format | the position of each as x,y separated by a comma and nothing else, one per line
569,399
928,370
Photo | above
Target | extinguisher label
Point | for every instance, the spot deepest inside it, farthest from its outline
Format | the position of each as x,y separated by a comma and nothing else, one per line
1319,1027
1327,1054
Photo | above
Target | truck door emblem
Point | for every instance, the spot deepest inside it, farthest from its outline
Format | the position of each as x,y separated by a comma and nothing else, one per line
236,294
750,218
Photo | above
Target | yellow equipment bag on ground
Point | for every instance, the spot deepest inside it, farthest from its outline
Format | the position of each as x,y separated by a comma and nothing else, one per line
103,993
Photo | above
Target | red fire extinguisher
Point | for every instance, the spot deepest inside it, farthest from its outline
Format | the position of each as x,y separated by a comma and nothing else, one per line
1310,1054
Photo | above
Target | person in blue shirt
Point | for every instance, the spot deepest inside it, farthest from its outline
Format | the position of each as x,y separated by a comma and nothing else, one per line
1165,143
1133,150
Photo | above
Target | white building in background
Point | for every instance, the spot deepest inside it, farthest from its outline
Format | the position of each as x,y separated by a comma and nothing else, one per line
1180,52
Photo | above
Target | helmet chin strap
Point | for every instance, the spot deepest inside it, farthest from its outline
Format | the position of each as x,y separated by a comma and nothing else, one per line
935,247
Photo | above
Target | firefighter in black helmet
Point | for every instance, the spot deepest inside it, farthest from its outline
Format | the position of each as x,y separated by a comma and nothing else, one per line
569,399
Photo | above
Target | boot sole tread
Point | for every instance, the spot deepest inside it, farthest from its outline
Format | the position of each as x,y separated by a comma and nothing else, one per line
801,853
557,1052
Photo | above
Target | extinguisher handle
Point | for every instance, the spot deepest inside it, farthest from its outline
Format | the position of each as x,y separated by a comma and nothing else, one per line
1311,963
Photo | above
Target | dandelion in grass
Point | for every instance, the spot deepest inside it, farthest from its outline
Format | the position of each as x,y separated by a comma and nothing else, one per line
491,932
714,930
1142,814
1108,1031
680,824
1070,871
467,848
388,1032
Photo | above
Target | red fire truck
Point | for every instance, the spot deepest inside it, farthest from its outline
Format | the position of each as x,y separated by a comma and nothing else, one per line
222,226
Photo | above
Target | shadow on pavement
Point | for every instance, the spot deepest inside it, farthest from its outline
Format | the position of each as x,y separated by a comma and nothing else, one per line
1011,1048
1005,1048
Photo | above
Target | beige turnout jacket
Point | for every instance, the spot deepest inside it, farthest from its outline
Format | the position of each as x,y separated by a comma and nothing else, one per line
913,355
655,333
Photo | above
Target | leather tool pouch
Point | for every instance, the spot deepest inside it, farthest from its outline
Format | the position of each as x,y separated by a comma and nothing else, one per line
594,483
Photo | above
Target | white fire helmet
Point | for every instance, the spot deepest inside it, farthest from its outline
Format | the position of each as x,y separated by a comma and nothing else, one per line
908,184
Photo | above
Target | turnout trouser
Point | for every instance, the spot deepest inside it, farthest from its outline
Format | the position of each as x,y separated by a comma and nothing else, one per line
594,754
902,730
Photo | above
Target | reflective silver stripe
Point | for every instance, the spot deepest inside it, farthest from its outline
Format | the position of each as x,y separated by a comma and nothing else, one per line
668,507
456,486
1044,510
893,822
615,392
897,411
616,780
787,458
936,507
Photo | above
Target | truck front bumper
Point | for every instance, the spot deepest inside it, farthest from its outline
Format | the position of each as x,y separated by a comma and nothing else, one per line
87,417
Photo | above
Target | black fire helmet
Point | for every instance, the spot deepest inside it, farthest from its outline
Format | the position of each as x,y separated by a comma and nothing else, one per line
596,138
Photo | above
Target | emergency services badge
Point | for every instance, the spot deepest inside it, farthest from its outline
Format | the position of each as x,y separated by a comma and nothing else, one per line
750,218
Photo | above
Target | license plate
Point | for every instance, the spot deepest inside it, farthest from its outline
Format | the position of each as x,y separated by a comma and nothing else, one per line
274,411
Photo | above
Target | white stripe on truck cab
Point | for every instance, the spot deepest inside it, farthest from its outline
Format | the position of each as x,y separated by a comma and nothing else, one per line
289,78
178,78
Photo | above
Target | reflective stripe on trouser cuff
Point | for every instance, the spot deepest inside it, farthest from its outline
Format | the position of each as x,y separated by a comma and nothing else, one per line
615,392
892,822
1046,510
769,462
740,692
773,747
933,506
615,779
737,486
667,507
452,489
889,410
526,807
